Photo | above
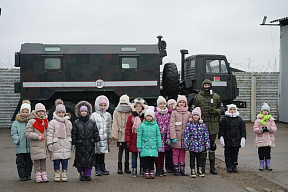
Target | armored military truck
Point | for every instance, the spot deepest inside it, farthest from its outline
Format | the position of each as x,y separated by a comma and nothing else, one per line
196,68
83,72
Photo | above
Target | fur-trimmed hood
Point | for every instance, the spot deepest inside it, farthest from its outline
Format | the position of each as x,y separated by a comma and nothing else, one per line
142,102
87,104
97,102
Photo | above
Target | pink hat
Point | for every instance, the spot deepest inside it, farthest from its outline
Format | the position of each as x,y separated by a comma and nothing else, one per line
60,106
197,111
181,98
40,107
102,100
171,101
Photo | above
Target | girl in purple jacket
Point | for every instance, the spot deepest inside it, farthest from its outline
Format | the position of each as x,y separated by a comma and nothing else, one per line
196,140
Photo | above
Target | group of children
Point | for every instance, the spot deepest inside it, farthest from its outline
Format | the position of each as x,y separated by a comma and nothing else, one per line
156,134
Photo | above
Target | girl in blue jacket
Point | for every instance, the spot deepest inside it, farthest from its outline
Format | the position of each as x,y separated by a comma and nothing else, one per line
23,159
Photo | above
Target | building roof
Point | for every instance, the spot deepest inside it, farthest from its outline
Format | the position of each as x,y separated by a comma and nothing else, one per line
282,21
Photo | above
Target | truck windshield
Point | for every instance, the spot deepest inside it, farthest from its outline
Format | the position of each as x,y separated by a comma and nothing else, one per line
216,66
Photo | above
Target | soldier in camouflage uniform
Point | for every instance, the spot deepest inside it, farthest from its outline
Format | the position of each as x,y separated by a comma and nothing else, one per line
210,115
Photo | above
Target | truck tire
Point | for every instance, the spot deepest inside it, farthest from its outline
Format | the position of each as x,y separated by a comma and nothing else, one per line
170,80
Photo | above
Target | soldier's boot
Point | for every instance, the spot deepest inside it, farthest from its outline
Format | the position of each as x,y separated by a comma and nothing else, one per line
234,167
182,169
127,170
103,169
267,165
176,170
213,170
261,167
120,171
134,172
57,177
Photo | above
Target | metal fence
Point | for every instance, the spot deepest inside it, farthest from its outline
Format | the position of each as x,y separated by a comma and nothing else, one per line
265,86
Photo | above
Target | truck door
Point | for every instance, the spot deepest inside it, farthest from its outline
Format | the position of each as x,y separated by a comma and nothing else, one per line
217,71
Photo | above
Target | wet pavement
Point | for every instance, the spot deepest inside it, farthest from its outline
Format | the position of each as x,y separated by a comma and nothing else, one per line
248,167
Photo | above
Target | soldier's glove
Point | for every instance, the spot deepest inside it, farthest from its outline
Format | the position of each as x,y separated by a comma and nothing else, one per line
264,129
213,110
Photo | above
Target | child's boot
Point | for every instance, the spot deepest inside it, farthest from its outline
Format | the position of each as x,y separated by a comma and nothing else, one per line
200,173
193,173
176,170
182,169
120,171
152,175
261,167
98,171
82,176
38,177
134,172
163,172
141,172
64,175
44,176
57,176
127,170
267,165
147,174
203,165
103,169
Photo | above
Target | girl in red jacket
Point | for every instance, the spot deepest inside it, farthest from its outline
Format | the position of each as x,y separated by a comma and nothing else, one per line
138,107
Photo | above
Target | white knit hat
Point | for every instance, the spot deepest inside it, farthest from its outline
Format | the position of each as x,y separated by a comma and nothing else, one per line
150,111
161,100
25,105
124,99
265,106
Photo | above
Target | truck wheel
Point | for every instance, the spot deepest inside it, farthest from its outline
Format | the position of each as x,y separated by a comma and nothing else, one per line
170,80
70,108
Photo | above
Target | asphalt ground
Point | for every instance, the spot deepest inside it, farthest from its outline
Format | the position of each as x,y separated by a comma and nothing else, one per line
248,178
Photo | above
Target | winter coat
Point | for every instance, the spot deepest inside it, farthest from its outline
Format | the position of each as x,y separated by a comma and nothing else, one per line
267,138
163,121
84,136
119,125
131,137
17,133
61,146
38,148
232,128
196,137
178,124
103,121
149,139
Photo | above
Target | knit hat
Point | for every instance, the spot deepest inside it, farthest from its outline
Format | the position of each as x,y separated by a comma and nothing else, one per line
161,100
102,100
150,111
171,101
40,107
197,111
59,106
182,98
25,105
265,106
83,107
124,99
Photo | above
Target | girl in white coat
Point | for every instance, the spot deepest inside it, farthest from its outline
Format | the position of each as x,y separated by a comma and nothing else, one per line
103,121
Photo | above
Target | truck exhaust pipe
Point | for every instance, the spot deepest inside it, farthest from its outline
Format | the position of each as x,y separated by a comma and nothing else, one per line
183,53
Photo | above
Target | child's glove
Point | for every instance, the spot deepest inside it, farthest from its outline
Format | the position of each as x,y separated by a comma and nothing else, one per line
174,140
139,150
242,143
41,137
50,147
264,129
159,149
222,141
73,148
186,149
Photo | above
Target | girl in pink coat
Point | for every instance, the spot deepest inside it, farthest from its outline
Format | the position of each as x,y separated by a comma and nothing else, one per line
264,128
178,122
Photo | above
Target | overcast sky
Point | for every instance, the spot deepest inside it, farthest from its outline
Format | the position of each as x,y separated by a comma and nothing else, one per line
215,27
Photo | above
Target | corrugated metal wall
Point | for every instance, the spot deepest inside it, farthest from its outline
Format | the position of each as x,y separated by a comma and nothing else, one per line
8,99
267,87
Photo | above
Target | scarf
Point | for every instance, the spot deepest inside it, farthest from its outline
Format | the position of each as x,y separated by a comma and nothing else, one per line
182,110
20,118
84,119
162,111
123,108
264,118
64,126
40,124
136,123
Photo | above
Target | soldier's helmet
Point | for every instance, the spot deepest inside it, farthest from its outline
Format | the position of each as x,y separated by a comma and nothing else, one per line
207,81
